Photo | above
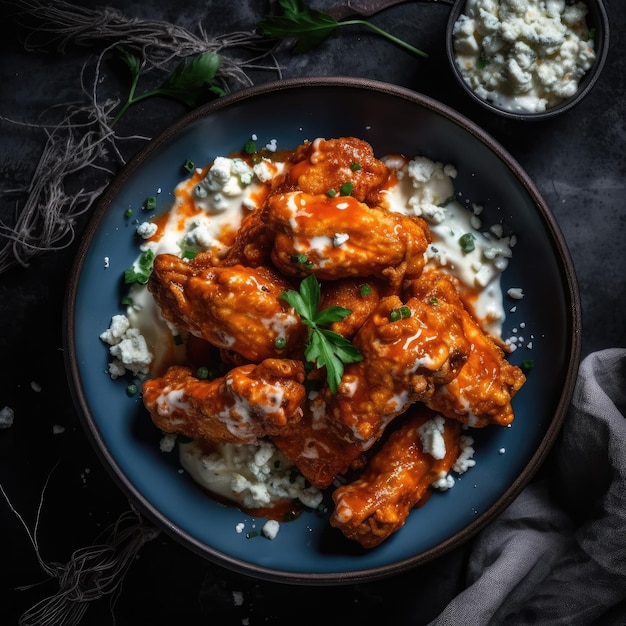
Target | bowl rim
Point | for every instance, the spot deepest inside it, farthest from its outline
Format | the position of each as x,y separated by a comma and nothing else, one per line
160,520
601,39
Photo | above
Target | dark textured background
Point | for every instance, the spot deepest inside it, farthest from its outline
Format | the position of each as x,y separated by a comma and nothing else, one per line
577,161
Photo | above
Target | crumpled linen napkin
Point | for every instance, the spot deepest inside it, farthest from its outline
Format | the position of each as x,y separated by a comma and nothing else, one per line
557,555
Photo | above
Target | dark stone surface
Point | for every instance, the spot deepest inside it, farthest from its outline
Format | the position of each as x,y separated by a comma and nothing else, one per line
577,161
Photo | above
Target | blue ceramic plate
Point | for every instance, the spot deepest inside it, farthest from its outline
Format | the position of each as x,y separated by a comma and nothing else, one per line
392,119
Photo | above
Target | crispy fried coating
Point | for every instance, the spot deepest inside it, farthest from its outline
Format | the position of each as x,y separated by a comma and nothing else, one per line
481,394
253,242
326,164
360,295
396,478
238,308
248,403
320,450
340,237
403,360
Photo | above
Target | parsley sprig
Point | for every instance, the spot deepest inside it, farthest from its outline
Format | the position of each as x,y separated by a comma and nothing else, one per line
324,348
189,82
310,27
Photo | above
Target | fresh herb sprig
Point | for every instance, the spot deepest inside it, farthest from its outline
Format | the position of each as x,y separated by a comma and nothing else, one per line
189,82
310,27
324,348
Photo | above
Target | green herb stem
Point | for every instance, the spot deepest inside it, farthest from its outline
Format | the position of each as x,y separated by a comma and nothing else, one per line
387,35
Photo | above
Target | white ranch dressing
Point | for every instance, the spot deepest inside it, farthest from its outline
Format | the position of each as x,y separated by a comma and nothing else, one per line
425,189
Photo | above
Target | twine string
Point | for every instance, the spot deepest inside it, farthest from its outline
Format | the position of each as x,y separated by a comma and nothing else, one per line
81,143
91,573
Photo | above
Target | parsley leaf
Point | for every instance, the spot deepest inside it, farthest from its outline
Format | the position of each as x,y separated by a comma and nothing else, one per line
189,82
324,347
310,27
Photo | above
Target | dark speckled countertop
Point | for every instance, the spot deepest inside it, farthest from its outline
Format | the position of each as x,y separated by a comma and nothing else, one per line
577,161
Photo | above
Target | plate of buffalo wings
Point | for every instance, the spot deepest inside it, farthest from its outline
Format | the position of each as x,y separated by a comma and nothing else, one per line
335,334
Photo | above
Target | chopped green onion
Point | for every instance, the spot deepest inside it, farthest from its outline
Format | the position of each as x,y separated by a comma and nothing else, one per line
150,203
331,193
131,390
128,212
127,301
528,364
446,202
400,313
280,343
346,189
146,258
202,373
467,242
433,301
355,167
144,263
189,165
250,147
365,290
189,254
302,259
252,534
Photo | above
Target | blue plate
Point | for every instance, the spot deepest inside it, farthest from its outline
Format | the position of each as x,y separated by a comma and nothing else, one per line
392,119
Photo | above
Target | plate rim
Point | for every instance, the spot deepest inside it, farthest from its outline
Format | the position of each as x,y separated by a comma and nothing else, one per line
571,295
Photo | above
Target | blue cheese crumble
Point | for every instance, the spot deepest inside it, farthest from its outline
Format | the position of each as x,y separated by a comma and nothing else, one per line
433,443
127,347
523,55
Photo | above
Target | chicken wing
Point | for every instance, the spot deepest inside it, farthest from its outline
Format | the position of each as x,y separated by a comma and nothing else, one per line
407,350
397,477
248,403
340,237
320,450
481,394
326,164
359,295
237,308
253,242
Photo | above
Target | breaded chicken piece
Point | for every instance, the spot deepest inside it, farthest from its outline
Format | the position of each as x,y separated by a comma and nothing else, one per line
396,478
320,450
237,308
328,164
403,361
253,242
340,237
481,394
359,295
248,403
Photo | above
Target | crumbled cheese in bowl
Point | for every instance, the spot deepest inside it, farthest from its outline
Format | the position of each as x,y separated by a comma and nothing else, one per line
523,56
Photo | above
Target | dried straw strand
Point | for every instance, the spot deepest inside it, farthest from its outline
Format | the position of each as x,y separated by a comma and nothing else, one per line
83,142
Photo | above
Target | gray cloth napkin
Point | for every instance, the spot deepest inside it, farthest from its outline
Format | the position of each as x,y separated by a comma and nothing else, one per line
558,554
